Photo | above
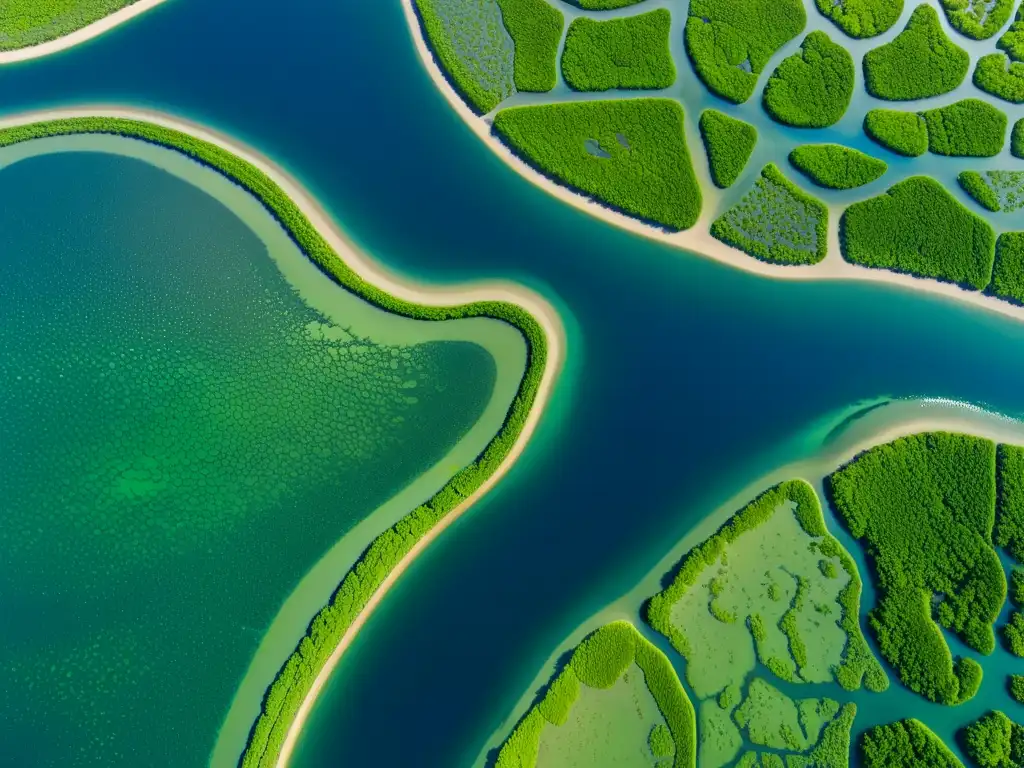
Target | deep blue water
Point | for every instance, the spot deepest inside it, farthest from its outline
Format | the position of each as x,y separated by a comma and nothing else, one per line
685,375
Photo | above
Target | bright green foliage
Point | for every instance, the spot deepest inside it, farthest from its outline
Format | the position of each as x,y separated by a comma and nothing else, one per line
995,190
1017,139
601,659
1017,574
924,507
919,228
836,167
995,741
535,27
905,133
967,128
31,22
660,741
1012,40
1013,632
731,41
1010,458
920,61
630,52
862,18
812,88
293,681
561,695
1008,283
729,143
776,222
905,744
629,154
974,185
598,662
977,19
1016,688
473,47
603,5
1003,78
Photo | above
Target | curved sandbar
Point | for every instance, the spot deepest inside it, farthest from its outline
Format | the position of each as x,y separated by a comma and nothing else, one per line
697,239
79,36
324,243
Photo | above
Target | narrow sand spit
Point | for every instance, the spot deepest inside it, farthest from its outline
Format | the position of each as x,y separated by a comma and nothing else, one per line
79,36
376,274
698,238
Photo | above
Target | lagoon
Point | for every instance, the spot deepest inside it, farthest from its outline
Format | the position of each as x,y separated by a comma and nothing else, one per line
686,380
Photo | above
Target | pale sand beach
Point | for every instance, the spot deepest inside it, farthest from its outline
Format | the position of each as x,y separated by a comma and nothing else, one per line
376,274
80,36
697,239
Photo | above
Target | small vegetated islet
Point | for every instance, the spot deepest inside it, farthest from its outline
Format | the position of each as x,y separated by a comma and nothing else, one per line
977,19
629,53
862,18
920,229
919,62
966,128
729,143
812,88
905,133
598,662
994,741
1008,284
535,27
30,22
603,5
1015,685
730,43
836,167
905,744
924,508
652,178
995,190
996,74
1017,139
776,222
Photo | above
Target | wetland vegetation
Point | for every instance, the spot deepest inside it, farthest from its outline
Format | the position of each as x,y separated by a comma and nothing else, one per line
630,53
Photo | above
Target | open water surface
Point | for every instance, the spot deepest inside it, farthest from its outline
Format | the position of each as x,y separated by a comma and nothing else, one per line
686,379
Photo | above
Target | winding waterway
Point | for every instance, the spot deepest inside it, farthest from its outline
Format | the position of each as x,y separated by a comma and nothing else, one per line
686,380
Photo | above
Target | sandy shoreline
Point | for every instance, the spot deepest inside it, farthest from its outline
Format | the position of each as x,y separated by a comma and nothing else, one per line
376,274
80,36
698,238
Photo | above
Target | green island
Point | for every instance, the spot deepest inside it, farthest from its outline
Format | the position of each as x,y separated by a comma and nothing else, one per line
489,49
967,128
905,133
603,5
834,166
812,88
862,18
904,744
628,154
920,229
617,696
731,43
925,507
776,221
1017,139
977,20
325,631
995,190
1008,284
25,23
1002,74
1015,686
994,741
631,53
728,144
921,61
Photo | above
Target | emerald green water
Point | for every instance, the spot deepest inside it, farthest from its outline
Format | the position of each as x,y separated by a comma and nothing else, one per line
184,437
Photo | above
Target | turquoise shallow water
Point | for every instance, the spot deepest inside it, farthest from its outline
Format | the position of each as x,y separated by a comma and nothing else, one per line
183,439
688,379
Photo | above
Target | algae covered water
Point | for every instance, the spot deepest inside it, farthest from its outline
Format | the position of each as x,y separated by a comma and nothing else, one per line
184,437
